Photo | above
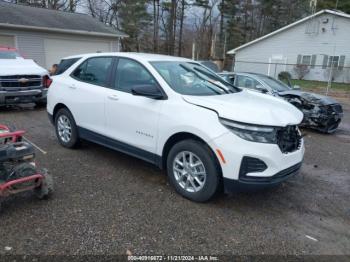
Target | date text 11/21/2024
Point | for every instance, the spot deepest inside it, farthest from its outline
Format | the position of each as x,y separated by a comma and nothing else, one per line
172,258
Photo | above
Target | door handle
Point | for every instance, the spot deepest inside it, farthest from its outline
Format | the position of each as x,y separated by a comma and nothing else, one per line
113,97
72,86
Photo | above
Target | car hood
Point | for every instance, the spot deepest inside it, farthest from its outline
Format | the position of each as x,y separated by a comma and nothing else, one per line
310,97
20,67
250,107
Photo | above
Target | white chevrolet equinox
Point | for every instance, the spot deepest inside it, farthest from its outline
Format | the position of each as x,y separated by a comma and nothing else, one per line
178,115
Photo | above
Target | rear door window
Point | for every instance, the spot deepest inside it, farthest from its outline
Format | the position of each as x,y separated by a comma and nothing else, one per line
94,71
247,82
65,64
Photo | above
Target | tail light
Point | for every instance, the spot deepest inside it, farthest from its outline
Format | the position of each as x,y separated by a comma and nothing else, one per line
47,81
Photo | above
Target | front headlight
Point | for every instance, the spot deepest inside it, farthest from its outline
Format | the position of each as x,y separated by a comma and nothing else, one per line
255,133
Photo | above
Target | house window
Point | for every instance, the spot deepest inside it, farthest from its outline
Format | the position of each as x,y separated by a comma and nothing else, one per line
334,60
306,60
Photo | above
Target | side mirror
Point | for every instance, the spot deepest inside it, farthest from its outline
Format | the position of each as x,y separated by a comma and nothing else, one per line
262,89
148,90
296,87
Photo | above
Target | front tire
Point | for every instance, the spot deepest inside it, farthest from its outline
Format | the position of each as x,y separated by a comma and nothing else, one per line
192,170
66,129
330,128
40,104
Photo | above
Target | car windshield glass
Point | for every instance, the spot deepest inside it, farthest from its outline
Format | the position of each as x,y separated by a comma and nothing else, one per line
192,79
275,84
9,55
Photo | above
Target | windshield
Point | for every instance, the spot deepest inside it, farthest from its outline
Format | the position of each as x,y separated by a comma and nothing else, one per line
275,84
189,78
9,55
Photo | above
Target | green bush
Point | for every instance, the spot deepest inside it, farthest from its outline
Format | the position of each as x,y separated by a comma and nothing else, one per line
285,77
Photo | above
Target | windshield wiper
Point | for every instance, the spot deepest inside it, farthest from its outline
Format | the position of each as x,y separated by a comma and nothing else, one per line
204,79
210,76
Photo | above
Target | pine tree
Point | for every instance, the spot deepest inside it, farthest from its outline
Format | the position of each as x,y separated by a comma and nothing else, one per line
134,21
343,5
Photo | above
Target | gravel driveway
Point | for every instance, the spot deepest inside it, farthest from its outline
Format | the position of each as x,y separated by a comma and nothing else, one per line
107,203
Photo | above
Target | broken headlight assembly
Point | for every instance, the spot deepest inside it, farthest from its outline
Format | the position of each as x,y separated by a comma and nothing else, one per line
254,133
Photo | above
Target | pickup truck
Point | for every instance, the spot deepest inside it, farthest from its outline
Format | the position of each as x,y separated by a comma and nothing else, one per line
21,80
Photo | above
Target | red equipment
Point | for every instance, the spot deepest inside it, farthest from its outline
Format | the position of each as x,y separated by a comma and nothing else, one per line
17,168
7,135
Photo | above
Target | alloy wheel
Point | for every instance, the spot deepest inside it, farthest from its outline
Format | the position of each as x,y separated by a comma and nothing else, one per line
189,171
64,128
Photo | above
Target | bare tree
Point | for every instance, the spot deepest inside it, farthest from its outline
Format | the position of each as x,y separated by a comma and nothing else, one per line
65,5
206,25
182,17
301,70
172,27
156,8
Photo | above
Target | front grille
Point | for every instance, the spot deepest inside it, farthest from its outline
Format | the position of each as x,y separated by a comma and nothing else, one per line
251,165
288,139
18,77
330,110
18,82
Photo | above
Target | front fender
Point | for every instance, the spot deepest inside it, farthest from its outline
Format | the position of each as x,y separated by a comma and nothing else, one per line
200,122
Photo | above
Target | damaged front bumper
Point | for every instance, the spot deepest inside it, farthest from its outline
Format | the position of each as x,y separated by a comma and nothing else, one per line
249,166
325,118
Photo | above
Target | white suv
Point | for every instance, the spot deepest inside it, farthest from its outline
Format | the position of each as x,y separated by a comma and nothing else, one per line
177,114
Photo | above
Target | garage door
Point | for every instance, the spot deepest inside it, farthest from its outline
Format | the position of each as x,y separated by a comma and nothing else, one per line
7,40
55,49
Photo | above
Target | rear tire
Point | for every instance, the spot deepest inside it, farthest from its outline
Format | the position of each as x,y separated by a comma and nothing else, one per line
193,171
46,188
66,129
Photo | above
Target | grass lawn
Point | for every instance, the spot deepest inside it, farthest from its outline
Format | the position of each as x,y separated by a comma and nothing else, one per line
312,85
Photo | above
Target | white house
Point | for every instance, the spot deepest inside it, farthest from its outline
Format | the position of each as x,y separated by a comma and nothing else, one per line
314,41
48,35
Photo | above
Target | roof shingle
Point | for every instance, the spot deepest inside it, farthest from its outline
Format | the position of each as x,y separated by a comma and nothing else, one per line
22,15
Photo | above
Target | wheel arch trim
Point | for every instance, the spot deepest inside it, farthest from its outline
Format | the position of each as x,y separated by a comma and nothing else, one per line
57,107
180,136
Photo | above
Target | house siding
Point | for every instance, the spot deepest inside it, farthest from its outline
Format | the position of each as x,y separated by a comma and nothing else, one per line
32,47
328,38
32,43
